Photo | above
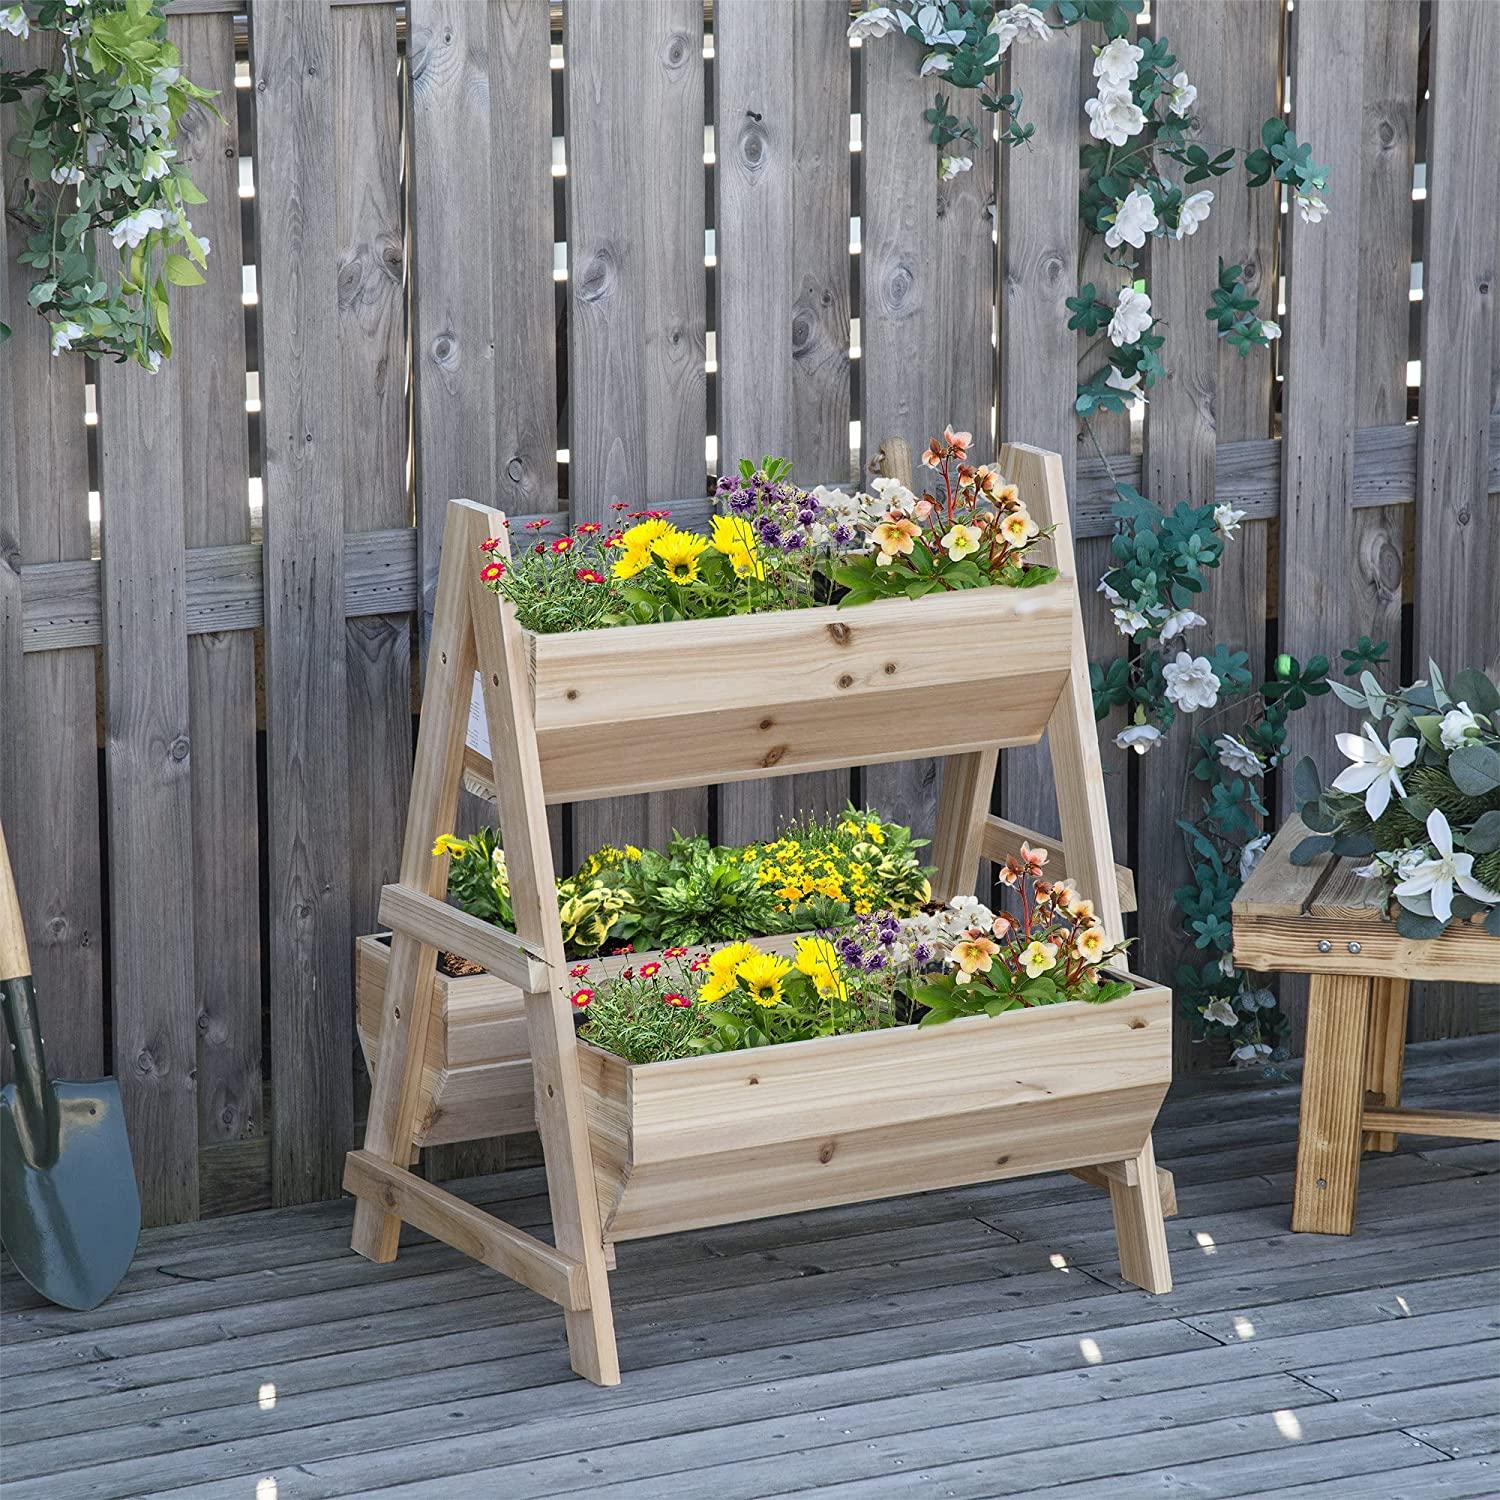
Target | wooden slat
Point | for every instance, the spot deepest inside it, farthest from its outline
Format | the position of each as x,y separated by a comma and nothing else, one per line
209,343
926,278
147,778
1385,1054
1467,1124
1002,839
307,758
636,295
1112,1172
1038,353
445,927
479,1235
372,431
782,318
49,771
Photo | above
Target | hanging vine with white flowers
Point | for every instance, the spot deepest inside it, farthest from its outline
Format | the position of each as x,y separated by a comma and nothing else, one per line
1143,179
98,135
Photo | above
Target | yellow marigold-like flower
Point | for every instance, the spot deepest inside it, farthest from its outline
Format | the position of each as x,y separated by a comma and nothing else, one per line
644,533
875,832
732,535
678,553
630,562
817,959
447,844
727,959
762,976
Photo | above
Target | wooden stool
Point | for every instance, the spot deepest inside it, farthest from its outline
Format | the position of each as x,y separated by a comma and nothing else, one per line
1324,920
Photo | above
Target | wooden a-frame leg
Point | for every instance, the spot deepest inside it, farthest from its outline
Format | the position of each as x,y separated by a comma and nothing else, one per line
1333,1097
963,805
1385,1054
1140,1230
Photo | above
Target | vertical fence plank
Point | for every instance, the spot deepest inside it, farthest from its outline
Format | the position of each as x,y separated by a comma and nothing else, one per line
49,770
1038,353
782,224
926,306
148,779
209,347
1458,519
373,435
1210,395
307,758
636,296
1320,414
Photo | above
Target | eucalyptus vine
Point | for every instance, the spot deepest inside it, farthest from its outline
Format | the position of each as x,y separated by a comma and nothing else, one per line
97,136
1144,178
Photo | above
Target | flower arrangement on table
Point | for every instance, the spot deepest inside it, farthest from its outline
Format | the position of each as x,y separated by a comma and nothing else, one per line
775,546
1420,797
881,970
819,873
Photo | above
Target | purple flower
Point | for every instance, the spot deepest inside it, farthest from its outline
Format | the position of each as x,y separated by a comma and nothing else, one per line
793,541
843,534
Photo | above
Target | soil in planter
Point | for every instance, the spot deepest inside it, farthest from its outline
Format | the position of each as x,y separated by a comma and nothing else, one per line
448,964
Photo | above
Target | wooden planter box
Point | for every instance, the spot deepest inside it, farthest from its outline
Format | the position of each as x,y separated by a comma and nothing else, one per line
640,708
742,1135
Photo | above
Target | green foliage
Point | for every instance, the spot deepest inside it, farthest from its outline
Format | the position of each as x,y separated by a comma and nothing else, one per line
97,139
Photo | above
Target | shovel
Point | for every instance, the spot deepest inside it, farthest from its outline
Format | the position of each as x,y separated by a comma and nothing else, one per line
70,1212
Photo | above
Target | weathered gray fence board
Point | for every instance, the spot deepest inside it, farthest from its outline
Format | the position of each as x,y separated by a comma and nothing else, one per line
49,775
147,767
209,340
307,757
636,298
782,319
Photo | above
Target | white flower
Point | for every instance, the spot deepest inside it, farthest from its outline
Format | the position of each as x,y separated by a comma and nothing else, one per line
205,246
1114,116
95,148
1270,330
932,22
153,361
1132,317
1392,862
950,166
132,229
154,121
892,494
1228,519
1135,218
1117,64
1250,1052
1376,771
1128,620
1191,683
14,20
1193,212
1130,384
1138,737
1182,95
154,163
1220,1011
1437,877
1235,755
1311,209
67,175
935,62
1250,855
1458,723
166,77
1178,621
63,335
1113,595
1021,23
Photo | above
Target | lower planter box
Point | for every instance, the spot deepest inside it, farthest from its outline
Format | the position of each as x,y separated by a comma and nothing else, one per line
742,1135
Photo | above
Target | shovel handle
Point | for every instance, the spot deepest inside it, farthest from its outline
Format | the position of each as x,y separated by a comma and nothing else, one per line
14,960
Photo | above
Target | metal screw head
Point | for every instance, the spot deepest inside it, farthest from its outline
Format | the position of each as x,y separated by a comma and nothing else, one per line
1324,946
1354,947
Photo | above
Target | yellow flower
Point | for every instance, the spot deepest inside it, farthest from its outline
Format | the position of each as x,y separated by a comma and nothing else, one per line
817,959
1090,944
727,959
1038,957
643,534
962,541
733,537
678,553
447,844
630,562
715,987
875,832
762,976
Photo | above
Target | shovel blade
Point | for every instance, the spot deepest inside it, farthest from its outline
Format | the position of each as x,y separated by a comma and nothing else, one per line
71,1227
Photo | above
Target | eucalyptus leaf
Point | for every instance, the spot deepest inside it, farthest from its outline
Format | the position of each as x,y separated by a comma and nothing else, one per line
1307,784
1352,845
1474,688
1346,694
1311,848
1410,925
1484,836
1492,922
1475,769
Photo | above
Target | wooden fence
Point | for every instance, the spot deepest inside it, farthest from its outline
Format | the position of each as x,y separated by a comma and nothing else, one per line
554,260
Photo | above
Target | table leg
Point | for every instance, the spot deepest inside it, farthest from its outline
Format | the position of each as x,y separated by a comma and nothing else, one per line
1333,1094
1385,1055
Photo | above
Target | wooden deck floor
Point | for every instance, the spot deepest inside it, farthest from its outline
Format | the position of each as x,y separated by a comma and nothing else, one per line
968,1343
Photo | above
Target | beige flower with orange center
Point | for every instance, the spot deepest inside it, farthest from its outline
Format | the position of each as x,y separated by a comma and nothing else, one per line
1032,859
1037,957
974,955
1090,944
1017,527
896,538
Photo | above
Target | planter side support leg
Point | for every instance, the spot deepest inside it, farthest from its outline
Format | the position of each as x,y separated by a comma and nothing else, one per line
1385,1054
963,806
1140,1229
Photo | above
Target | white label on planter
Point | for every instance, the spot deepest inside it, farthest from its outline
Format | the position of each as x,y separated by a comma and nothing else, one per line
478,736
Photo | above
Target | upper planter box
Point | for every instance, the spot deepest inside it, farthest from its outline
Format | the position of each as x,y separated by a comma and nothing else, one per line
640,708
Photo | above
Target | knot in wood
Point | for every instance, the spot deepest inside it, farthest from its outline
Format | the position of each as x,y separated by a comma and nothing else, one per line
825,1152
598,276
898,287
515,470
840,632
773,756
676,50
445,351
180,747
753,152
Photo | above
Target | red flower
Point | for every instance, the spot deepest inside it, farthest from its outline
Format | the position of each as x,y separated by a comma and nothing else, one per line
489,544
701,962
578,971
627,973
563,544
650,971
680,1001
581,998
491,571
588,575
623,948
540,547
537,525
586,528
649,515
618,504
673,952
614,539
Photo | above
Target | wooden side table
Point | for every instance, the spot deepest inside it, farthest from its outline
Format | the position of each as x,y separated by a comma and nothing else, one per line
1324,920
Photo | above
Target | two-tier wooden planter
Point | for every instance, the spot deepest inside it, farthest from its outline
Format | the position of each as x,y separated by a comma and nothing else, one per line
637,1150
